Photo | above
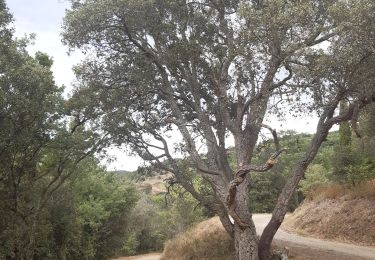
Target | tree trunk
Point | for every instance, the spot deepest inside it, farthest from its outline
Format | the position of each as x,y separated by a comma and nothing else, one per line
61,253
30,247
226,222
244,232
245,243
267,237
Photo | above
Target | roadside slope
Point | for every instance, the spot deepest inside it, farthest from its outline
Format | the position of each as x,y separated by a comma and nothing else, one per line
341,219
315,248
185,246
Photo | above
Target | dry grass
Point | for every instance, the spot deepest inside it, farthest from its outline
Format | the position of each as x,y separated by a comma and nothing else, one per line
364,190
347,218
336,191
207,241
322,192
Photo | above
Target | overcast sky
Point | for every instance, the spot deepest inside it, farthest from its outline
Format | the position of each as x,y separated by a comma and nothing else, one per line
44,17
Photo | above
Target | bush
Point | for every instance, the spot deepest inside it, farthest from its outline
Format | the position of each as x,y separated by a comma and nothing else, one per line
89,216
316,175
153,221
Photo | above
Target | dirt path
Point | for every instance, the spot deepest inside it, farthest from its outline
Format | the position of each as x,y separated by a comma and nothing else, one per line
306,248
153,256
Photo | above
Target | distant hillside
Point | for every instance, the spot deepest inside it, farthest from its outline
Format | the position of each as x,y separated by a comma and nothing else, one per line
149,180
122,172
155,185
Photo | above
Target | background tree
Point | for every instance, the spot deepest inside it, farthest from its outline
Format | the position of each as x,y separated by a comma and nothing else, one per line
213,69
40,147
90,215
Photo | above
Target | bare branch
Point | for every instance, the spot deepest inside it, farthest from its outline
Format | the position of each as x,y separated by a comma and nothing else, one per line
351,111
171,182
317,40
312,41
274,135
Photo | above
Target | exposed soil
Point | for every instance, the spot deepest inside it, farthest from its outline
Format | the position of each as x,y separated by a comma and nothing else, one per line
350,221
303,252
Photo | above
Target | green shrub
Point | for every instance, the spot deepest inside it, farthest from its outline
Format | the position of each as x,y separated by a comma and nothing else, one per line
315,175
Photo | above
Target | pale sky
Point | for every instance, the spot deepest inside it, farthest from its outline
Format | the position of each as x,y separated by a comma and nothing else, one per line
44,17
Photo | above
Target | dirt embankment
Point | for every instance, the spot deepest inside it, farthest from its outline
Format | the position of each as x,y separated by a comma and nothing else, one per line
340,219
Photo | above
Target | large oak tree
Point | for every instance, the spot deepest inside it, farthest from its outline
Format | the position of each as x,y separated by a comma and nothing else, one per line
209,69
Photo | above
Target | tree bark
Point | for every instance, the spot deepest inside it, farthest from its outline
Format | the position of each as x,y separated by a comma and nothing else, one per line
61,253
227,224
244,232
245,243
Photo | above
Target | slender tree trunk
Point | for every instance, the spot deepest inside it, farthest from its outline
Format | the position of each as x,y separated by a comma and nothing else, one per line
227,224
281,207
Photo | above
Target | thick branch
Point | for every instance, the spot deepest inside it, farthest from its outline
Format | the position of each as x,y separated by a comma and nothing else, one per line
208,171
